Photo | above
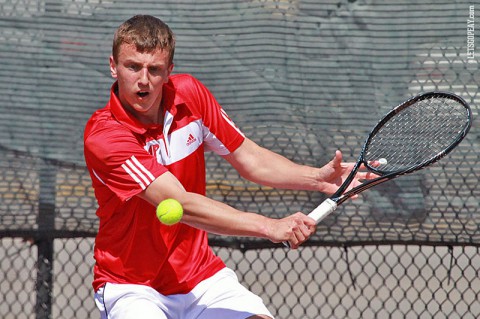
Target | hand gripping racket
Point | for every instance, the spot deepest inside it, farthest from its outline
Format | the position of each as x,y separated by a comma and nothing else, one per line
412,136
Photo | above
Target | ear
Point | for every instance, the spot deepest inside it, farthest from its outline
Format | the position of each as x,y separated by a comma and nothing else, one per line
113,68
170,69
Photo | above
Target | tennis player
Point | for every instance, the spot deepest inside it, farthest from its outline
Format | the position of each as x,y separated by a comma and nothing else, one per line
147,144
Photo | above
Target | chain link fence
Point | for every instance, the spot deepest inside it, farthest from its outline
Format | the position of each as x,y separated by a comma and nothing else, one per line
302,78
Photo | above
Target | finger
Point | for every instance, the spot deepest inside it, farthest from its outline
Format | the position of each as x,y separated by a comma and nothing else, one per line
300,237
374,163
293,243
336,161
305,231
366,175
309,228
302,229
300,234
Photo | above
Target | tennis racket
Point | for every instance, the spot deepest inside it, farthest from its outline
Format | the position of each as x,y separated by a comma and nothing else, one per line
412,136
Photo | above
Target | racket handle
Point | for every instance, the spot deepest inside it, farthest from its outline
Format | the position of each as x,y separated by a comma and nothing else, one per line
323,210
318,214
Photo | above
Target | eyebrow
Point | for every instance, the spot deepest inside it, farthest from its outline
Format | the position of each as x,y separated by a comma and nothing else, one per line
153,64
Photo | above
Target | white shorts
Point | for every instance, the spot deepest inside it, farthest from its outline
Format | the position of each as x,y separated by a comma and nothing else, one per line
220,296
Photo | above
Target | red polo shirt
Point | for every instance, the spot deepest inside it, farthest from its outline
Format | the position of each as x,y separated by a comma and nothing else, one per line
124,156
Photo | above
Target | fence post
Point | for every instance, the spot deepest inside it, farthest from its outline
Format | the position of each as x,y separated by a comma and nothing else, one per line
44,242
46,211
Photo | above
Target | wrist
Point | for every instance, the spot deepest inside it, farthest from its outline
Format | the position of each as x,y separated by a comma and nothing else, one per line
319,180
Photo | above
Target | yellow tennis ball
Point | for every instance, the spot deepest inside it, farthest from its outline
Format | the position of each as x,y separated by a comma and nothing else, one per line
169,211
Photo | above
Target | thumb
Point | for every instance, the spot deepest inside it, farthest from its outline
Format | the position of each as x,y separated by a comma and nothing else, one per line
337,160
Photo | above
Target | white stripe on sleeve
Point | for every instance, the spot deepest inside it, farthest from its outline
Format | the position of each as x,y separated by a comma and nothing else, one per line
138,172
229,121
143,169
132,175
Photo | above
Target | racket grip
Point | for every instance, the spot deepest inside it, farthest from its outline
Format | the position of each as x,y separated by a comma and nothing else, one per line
318,214
323,210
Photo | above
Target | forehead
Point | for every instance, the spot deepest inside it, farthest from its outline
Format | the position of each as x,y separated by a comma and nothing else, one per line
129,52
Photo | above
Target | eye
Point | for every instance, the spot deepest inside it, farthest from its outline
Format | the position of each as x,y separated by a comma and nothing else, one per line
133,67
155,70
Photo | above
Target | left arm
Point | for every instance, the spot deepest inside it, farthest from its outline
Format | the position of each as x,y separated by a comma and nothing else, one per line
264,167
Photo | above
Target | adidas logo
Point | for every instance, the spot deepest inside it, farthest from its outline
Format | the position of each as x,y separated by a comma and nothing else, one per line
191,139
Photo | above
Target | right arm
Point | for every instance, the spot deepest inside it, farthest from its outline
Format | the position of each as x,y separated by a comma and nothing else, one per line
216,217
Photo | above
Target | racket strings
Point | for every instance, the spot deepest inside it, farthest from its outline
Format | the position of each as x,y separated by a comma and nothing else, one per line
418,133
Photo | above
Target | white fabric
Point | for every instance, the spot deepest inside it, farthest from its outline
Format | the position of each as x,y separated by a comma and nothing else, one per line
220,296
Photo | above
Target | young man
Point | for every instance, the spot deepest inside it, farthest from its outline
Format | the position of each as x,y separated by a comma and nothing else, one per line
148,145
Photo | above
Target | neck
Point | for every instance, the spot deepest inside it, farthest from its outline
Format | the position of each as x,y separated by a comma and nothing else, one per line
153,117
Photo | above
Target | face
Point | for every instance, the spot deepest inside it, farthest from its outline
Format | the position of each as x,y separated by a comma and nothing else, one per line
141,77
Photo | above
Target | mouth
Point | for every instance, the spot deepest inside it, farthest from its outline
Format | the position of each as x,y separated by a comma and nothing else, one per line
142,94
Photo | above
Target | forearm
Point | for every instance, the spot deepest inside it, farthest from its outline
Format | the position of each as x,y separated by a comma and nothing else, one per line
219,218
205,213
283,173
216,217
265,167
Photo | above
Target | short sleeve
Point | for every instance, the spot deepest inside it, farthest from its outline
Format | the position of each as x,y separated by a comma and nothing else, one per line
221,134
117,160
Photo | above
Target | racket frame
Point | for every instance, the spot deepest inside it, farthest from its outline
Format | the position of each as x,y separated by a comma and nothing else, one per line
330,204
339,196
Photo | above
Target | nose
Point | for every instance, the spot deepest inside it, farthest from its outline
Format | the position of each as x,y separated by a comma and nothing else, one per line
143,80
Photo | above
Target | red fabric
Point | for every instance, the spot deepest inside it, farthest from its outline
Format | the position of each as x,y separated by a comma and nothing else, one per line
124,157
